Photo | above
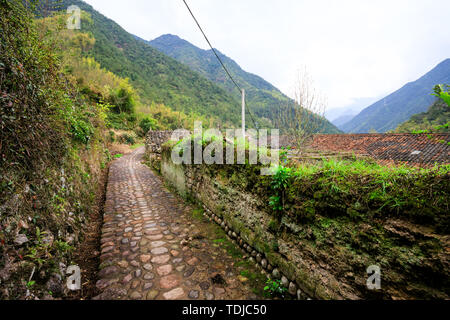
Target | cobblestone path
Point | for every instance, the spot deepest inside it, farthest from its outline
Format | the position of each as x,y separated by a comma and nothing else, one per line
152,247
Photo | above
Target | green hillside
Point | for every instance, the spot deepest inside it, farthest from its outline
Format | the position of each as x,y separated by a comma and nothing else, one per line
399,106
436,116
262,97
157,77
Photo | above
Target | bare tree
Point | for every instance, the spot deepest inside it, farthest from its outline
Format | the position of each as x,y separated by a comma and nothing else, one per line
303,116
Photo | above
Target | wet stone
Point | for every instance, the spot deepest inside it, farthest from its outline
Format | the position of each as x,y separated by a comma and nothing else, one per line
189,271
164,270
148,267
169,281
147,285
204,285
161,259
193,294
174,294
149,276
209,296
152,294
135,295
160,250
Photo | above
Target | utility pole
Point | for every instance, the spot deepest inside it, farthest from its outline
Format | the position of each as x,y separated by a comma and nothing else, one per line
243,113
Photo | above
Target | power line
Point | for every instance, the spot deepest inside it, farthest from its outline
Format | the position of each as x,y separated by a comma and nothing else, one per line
218,58
207,40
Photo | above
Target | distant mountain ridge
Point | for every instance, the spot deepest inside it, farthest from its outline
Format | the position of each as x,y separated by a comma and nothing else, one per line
415,97
263,97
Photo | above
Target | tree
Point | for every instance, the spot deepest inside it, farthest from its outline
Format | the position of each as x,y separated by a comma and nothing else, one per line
443,91
304,116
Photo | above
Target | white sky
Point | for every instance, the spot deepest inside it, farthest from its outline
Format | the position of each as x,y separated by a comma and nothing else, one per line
352,48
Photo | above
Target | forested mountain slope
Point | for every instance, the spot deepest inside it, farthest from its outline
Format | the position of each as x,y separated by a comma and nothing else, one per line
415,97
263,98
157,77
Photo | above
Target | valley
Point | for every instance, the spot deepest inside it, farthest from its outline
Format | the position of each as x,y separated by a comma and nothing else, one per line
88,179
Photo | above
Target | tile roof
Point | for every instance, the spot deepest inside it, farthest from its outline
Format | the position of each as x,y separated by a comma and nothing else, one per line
415,149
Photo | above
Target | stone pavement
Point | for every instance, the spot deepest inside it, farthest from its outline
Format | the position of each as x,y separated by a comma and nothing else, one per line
152,247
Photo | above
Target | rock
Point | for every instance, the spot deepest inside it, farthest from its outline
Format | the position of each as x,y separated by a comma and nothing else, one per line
174,294
127,278
189,271
204,285
135,295
164,270
276,274
55,284
209,296
122,264
149,276
284,282
258,257
20,239
148,285
169,281
219,291
264,263
292,288
193,294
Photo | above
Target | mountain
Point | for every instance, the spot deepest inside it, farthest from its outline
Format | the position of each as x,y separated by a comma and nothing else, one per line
352,109
157,77
415,97
262,97
341,120
437,115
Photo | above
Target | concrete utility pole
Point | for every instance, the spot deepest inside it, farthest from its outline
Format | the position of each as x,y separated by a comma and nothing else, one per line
243,113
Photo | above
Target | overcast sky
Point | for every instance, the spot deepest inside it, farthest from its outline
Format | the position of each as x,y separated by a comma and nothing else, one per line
352,48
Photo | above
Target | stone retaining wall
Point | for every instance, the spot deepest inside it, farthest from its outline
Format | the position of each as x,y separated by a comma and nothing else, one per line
155,139
236,198
244,223
245,220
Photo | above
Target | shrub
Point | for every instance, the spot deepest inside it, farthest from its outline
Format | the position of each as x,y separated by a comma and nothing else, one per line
128,138
147,124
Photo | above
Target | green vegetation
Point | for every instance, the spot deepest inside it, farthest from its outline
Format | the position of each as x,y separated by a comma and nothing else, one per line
435,120
263,99
362,189
348,213
51,147
274,288
157,78
413,98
